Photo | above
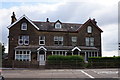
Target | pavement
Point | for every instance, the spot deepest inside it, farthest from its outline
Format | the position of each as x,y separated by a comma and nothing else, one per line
61,73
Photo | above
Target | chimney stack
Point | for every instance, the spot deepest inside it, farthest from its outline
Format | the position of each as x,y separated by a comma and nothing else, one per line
94,21
47,20
13,18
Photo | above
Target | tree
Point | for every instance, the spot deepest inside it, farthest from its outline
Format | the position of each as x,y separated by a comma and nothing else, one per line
3,49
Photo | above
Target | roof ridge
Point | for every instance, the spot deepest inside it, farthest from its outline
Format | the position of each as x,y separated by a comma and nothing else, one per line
54,22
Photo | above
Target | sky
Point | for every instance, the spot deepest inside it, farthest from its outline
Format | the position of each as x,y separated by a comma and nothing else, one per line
73,11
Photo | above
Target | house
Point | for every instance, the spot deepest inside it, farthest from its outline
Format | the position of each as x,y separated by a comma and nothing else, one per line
35,40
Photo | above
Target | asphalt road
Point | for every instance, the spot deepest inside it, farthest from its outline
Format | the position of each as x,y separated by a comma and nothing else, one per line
62,73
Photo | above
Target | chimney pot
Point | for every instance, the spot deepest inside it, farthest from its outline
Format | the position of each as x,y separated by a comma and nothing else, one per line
47,20
94,21
13,18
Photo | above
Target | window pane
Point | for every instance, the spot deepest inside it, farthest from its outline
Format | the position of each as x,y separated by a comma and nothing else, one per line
22,56
58,25
91,41
89,29
42,40
60,38
17,57
24,26
55,38
87,41
20,40
56,42
74,39
42,37
26,40
60,42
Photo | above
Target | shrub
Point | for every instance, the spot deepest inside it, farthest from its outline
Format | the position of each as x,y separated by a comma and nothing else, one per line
62,61
104,62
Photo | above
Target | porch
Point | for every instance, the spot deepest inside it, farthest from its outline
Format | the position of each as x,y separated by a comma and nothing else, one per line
40,53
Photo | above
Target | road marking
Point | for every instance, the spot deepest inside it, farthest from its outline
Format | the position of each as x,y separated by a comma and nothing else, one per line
87,74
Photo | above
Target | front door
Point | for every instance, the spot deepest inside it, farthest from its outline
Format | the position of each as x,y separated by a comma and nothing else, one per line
41,59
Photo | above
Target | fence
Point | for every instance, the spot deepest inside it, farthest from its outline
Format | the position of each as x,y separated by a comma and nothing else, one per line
20,64
76,64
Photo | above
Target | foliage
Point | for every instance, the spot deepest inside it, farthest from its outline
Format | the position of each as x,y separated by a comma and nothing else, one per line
3,49
65,61
104,62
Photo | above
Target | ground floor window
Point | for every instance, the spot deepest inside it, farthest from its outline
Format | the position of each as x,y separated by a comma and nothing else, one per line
58,53
23,55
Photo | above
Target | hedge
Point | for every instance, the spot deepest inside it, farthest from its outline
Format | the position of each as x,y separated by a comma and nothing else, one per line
104,62
58,61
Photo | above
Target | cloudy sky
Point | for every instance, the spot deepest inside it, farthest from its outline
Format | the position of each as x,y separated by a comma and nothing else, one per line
77,11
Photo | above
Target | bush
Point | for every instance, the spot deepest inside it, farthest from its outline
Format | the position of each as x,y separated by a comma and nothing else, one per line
104,62
65,61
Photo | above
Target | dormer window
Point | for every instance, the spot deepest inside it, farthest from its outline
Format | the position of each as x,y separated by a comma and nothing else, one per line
24,26
89,29
58,26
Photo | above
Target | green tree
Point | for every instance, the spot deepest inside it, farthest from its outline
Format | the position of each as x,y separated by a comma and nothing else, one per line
3,49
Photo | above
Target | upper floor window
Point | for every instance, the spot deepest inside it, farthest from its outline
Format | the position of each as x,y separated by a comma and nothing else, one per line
89,29
23,40
89,41
57,25
74,41
41,40
24,26
58,40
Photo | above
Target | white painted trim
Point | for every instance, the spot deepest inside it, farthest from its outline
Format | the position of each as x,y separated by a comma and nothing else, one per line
85,56
15,54
76,48
52,52
60,25
37,55
23,54
72,53
97,54
24,16
29,55
42,47
41,40
45,55
65,53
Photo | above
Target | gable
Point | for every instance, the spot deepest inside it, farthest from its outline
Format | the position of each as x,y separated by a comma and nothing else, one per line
20,20
89,23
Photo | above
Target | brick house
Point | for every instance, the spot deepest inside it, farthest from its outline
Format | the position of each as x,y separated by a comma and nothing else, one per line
35,40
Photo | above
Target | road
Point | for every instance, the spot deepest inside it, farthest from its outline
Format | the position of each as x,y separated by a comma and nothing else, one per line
61,73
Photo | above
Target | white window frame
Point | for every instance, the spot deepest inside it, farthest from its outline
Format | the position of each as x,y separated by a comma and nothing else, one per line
58,25
89,29
23,39
26,38
58,39
20,38
24,26
21,56
89,41
41,40
74,40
